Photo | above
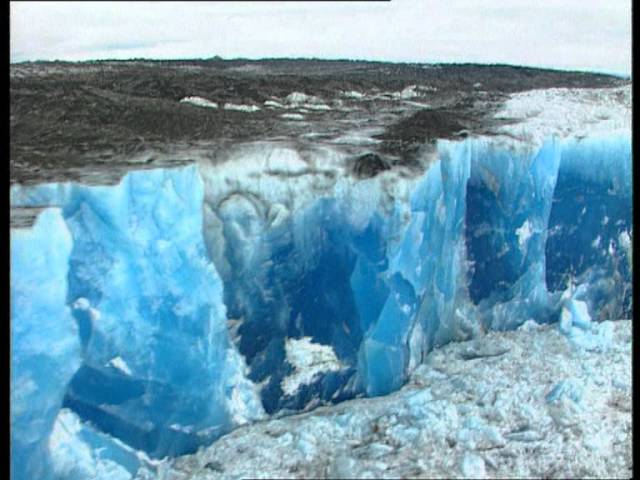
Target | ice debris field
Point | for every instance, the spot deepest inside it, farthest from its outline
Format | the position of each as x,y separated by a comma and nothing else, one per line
151,317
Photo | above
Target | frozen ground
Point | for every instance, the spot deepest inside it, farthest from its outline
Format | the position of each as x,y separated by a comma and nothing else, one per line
521,404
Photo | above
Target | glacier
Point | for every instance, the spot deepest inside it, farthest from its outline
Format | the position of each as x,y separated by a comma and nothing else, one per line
183,302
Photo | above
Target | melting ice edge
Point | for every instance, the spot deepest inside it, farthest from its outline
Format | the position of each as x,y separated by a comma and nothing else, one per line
152,316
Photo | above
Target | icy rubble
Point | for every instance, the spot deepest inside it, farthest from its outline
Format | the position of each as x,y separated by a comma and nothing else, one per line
565,112
542,408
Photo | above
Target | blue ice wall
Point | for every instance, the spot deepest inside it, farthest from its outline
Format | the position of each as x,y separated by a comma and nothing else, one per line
427,265
510,196
590,225
139,261
492,237
289,282
79,450
45,349
474,255
158,370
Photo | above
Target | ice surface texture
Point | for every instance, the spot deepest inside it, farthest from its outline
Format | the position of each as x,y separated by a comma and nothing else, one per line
519,404
471,251
157,367
491,237
45,349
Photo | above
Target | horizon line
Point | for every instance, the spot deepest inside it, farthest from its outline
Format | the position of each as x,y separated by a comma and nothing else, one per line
623,75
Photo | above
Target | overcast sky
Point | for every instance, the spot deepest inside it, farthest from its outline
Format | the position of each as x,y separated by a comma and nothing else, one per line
573,34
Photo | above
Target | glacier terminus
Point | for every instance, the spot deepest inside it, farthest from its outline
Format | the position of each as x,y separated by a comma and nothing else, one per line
216,249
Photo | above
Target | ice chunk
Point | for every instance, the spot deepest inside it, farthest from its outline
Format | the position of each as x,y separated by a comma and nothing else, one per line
407,93
473,466
353,95
307,359
273,104
80,452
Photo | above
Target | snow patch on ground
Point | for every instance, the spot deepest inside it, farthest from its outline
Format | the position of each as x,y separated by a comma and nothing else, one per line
292,116
241,108
199,102
273,104
354,95
299,98
407,93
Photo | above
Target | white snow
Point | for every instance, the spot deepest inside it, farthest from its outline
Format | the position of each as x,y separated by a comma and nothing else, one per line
353,95
416,104
407,93
199,102
564,112
273,104
241,108
307,359
355,139
318,106
292,116
298,98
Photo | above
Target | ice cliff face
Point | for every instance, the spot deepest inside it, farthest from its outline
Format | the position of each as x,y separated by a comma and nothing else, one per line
40,368
383,275
183,302
152,363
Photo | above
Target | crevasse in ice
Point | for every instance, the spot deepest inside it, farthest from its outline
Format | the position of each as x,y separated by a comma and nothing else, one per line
197,309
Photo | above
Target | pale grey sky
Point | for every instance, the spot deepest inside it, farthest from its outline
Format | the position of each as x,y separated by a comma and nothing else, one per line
567,34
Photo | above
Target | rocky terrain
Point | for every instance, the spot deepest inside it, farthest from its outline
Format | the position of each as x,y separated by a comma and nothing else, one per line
95,120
